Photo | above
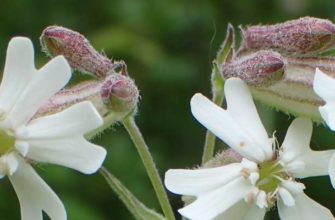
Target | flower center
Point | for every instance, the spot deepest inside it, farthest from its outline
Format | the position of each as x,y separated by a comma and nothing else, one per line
6,143
270,175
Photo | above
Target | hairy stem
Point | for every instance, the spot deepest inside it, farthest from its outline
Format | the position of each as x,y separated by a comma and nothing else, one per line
149,164
138,209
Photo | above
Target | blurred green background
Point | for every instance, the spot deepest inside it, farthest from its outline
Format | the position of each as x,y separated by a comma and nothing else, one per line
168,46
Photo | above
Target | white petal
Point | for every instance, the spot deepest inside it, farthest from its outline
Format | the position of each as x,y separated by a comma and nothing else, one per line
242,211
295,167
210,205
305,208
45,83
250,165
224,126
286,197
35,195
236,212
22,147
293,187
324,86
241,107
332,170
254,213
298,158
75,120
19,70
261,200
74,152
328,114
297,139
316,164
196,182
253,177
8,164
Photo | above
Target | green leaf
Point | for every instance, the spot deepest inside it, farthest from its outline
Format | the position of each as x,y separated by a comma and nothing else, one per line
227,47
217,81
225,54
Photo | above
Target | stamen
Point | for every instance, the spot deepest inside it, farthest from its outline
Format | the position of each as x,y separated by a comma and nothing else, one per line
245,173
275,165
271,198
278,178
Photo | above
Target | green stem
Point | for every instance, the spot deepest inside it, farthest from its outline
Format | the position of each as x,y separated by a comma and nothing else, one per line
143,150
210,137
137,208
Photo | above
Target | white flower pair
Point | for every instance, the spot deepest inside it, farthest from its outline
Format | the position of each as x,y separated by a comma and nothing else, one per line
56,138
266,173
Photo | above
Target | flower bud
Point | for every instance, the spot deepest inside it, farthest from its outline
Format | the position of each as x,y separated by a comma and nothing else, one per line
115,94
294,93
119,93
85,91
115,98
304,36
56,40
261,68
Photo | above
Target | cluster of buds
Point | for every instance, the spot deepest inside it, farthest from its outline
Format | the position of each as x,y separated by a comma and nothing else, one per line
278,62
112,91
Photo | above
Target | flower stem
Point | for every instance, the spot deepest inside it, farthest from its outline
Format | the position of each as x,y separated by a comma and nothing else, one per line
149,164
136,207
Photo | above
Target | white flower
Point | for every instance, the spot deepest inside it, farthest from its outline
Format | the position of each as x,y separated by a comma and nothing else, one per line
56,138
324,86
264,176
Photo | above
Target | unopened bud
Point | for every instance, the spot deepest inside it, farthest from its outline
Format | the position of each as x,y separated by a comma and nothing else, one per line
85,91
294,93
56,40
115,94
304,36
261,68
119,93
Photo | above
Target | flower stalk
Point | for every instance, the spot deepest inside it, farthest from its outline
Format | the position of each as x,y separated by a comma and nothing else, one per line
136,207
149,164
